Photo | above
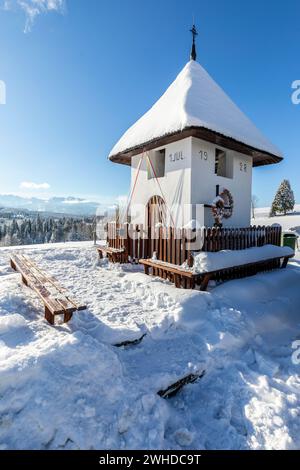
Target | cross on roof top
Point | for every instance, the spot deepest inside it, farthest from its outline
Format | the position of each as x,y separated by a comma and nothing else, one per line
194,32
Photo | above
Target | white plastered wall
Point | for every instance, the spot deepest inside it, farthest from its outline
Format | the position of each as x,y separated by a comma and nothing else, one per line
190,180
204,182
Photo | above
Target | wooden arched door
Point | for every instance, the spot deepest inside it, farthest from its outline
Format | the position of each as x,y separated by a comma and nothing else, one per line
156,212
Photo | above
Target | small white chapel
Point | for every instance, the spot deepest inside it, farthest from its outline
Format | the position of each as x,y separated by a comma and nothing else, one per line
192,153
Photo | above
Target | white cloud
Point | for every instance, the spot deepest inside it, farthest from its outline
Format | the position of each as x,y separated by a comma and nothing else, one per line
34,8
77,201
31,185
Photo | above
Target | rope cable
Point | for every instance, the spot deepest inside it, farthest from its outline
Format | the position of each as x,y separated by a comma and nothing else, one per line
134,185
171,217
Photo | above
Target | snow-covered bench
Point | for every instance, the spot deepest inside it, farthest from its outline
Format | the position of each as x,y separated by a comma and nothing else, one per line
182,277
115,255
208,265
56,299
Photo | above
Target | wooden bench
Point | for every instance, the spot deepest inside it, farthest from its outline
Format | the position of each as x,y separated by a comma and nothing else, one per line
188,279
115,255
55,298
181,277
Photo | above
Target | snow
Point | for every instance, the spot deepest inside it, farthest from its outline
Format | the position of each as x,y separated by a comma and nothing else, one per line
207,262
194,99
68,387
289,222
217,200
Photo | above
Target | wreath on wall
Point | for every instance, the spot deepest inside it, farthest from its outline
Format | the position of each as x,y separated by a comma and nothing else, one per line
222,207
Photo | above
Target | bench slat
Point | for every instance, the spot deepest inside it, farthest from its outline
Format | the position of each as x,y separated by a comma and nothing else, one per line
35,284
167,267
49,281
109,249
56,298
57,293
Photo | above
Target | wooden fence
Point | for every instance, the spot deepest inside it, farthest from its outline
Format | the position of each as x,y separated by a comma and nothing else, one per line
176,245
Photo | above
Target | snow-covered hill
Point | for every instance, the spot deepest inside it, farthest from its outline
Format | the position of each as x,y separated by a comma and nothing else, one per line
54,205
288,222
68,387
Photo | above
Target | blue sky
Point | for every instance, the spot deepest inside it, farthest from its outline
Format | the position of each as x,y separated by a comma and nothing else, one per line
80,76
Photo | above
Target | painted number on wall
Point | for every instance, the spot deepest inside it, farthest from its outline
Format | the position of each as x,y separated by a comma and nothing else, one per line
243,167
174,157
203,155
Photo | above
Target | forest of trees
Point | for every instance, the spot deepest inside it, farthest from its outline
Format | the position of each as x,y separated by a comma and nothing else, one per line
28,231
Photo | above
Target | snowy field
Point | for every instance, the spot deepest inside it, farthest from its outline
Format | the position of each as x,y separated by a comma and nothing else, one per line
288,222
68,387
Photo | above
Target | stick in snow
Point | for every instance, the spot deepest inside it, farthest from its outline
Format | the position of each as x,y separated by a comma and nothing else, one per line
130,343
175,387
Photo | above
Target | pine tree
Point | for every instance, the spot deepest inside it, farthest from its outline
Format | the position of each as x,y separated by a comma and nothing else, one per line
14,233
39,230
284,200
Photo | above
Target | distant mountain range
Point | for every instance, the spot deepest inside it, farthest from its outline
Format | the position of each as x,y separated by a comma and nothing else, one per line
68,205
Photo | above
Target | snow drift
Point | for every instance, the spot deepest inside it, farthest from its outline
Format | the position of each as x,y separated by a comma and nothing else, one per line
68,387
207,261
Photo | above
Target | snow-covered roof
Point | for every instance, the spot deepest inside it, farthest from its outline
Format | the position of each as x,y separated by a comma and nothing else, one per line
194,100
